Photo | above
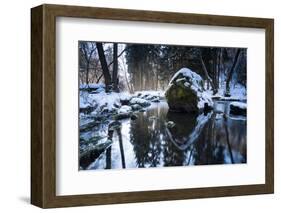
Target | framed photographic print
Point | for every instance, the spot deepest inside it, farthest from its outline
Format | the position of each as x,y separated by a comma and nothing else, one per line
136,106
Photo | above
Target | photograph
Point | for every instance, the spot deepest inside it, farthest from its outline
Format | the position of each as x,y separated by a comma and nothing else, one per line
160,105
140,105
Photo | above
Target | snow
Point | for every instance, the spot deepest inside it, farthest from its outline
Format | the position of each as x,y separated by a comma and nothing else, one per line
101,99
204,97
237,92
188,73
125,109
125,97
158,93
84,102
139,101
107,103
99,87
239,105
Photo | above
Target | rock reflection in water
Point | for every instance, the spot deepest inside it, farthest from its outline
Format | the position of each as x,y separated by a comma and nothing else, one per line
213,138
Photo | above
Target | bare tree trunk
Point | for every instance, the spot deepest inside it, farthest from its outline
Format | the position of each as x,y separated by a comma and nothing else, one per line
229,77
128,84
99,78
218,68
87,73
207,75
88,52
156,88
115,68
140,78
105,70
214,70
221,65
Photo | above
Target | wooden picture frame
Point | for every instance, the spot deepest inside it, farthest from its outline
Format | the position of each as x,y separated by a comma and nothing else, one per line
43,105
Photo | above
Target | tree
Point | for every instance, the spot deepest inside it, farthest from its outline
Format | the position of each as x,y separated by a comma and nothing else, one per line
230,74
144,65
105,70
86,51
209,79
115,68
111,63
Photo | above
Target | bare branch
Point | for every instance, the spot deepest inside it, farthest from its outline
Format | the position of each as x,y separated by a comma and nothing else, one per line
117,56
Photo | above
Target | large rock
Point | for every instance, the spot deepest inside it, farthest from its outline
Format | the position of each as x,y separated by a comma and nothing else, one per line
185,93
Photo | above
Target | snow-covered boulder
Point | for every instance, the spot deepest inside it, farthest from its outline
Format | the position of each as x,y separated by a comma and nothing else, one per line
155,99
124,112
125,109
238,108
136,107
185,93
139,101
125,99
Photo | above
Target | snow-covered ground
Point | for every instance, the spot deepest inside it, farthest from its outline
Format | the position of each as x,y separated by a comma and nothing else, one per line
101,99
99,86
237,92
94,102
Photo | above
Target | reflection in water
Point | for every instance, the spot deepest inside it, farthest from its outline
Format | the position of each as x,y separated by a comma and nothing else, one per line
148,141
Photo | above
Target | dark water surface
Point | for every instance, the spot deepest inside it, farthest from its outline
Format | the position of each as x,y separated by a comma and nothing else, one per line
159,138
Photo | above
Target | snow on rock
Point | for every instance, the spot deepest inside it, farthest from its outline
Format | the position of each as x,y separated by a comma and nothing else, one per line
118,105
240,105
238,108
150,93
185,92
125,99
204,99
85,103
140,101
136,107
101,100
155,99
194,78
125,109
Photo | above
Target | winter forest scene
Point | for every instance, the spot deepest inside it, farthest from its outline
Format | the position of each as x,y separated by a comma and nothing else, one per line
159,105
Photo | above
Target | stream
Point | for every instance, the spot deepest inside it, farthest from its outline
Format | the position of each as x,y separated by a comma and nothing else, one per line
159,138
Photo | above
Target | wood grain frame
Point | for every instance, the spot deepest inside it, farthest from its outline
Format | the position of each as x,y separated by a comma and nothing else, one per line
43,105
